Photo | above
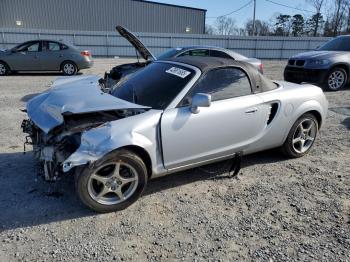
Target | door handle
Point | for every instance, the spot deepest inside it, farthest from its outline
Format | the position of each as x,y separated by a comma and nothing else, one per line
251,110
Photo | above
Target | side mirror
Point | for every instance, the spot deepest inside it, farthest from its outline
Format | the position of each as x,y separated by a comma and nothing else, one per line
200,100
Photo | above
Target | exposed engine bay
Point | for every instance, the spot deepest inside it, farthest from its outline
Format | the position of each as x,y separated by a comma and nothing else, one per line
53,148
117,73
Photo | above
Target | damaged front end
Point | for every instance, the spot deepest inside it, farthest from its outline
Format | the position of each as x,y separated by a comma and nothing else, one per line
52,149
59,116
49,150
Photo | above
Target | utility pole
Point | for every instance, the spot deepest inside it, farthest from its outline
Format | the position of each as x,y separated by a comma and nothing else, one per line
254,17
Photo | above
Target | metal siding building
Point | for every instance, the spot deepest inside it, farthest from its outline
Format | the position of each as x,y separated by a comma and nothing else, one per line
101,15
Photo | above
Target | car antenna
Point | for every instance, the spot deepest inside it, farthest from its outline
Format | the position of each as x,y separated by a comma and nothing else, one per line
137,55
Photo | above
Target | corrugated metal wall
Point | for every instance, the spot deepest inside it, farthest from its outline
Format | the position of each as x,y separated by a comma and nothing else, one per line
101,15
109,43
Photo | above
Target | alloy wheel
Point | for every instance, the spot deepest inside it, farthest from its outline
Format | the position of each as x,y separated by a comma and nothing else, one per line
304,136
113,183
336,80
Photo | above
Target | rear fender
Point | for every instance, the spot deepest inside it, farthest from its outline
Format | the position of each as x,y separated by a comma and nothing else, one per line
308,106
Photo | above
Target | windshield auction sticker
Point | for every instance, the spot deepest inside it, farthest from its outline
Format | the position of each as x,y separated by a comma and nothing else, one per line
178,72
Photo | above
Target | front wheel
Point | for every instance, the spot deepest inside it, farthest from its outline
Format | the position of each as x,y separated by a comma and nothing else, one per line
336,79
301,136
113,183
69,68
4,70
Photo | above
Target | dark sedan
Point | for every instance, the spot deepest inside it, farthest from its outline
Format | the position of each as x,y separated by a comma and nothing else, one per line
44,55
327,66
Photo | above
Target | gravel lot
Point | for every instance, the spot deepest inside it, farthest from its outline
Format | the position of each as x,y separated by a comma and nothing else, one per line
274,210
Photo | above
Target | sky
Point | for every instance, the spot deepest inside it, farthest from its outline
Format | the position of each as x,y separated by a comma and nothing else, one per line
265,9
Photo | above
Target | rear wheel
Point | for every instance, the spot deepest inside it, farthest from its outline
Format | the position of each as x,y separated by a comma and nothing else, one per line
336,79
4,70
301,137
69,68
114,183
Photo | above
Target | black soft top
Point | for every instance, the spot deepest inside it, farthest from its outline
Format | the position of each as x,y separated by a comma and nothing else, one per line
259,82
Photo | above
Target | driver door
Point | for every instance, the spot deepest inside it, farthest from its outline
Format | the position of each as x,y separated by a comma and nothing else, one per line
26,57
234,119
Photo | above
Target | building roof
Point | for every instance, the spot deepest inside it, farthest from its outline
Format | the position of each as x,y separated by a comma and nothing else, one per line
180,6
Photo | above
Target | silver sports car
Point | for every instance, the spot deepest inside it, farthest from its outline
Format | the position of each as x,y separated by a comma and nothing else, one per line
172,115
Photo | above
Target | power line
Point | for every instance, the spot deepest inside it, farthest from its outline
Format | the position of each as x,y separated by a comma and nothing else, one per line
291,7
234,11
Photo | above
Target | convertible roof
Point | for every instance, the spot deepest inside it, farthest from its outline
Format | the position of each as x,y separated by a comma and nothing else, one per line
259,82
208,63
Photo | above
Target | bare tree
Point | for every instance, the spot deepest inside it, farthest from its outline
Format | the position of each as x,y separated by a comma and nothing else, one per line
347,30
261,27
317,4
209,29
226,26
338,16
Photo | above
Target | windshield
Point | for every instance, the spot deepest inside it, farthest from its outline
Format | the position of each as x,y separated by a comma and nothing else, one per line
155,86
169,53
337,44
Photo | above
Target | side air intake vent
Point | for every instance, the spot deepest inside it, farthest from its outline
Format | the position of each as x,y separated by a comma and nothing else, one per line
273,111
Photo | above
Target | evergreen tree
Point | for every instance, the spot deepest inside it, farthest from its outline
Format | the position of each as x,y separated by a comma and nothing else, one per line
297,25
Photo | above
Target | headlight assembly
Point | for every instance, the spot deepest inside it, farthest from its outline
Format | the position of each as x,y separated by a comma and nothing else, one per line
319,62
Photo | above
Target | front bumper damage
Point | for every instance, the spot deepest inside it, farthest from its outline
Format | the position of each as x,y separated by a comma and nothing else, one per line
49,151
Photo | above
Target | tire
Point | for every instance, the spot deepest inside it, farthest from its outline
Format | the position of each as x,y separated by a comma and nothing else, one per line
336,79
4,69
300,141
99,187
69,68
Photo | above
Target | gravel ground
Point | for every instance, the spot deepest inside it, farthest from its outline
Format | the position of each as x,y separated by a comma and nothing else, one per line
274,210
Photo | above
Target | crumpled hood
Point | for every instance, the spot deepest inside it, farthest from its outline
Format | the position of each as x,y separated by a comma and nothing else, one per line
72,95
317,54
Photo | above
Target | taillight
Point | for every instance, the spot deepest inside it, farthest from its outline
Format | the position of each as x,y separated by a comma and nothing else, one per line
261,68
85,53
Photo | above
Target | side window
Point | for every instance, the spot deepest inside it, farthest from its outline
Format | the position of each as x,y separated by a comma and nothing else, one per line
53,46
345,44
223,83
29,47
33,47
198,52
216,53
21,47
63,47
187,53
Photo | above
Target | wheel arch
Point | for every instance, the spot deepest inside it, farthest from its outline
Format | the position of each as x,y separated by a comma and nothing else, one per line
313,107
344,66
6,64
318,116
143,154
68,60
